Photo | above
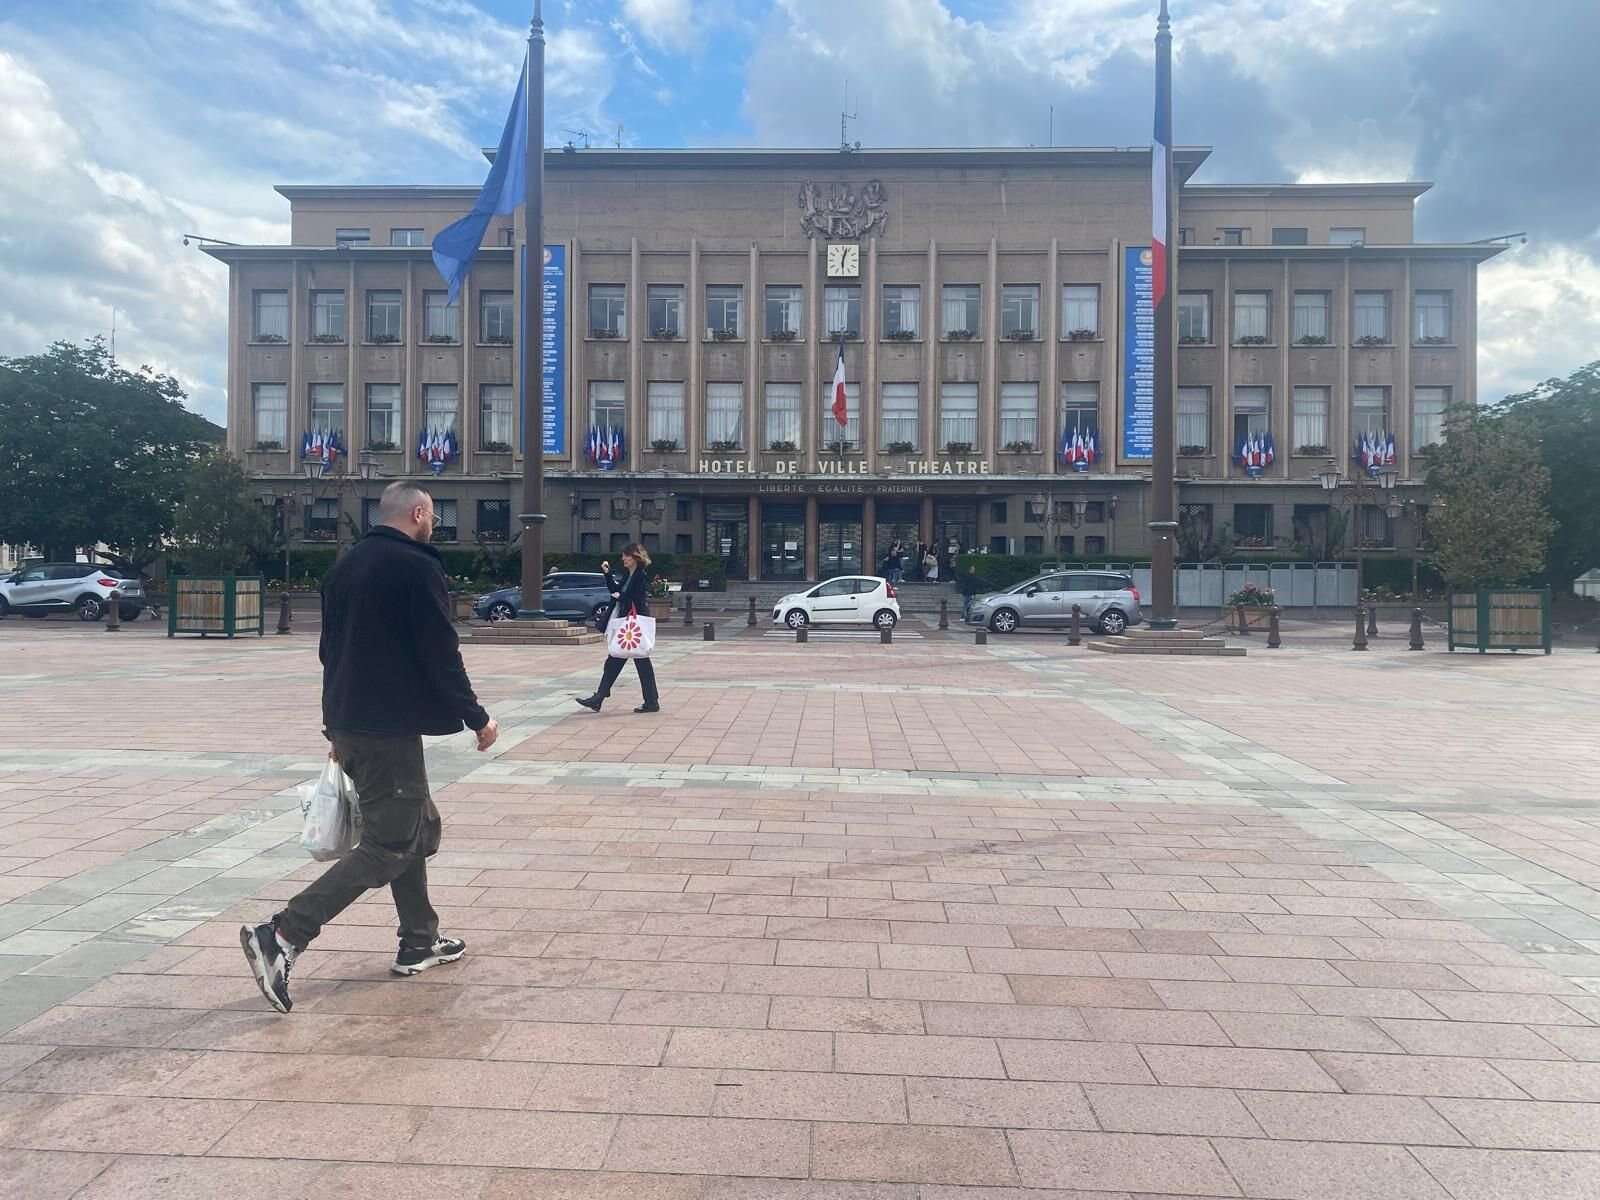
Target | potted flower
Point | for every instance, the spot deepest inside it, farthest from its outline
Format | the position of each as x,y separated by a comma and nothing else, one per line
496,447
497,339
271,339
1081,335
900,448
664,333
266,445
782,446
725,335
958,447
1372,339
1020,335
838,446
605,333
664,445
1311,339
784,335
959,335
901,335
328,339
385,339
1251,339
440,339
1252,604
1192,339
1433,339
1019,447
1192,451
723,445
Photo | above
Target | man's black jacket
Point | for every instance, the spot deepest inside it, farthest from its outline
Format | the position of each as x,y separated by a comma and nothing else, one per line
391,662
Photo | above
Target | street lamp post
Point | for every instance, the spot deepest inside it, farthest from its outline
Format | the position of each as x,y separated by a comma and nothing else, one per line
531,332
1364,489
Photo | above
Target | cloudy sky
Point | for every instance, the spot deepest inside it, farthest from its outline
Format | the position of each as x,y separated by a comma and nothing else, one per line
126,123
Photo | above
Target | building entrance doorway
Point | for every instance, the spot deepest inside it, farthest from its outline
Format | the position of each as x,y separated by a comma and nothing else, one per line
954,524
728,537
783,542
838,540
897,523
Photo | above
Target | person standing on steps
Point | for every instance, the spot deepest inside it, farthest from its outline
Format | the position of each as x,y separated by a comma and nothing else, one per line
630,591
391,672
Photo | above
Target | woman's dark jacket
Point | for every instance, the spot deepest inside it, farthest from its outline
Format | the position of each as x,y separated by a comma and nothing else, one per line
633,591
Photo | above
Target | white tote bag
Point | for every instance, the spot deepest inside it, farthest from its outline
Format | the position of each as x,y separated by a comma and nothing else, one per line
630,636
332,821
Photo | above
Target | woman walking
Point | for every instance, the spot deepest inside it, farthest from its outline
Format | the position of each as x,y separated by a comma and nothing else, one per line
630,591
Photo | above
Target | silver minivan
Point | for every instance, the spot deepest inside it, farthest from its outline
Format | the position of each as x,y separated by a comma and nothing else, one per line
1108,601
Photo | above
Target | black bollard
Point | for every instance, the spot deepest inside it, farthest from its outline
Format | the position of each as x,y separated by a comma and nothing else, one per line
283,611
114,611
1075,636
1416,630
801,634
751,619
886,635
1274,634
709,633
1361,629
1372,620
1244,622
980,637
688,611
944,613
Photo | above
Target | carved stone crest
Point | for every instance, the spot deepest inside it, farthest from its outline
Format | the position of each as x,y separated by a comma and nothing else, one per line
843,212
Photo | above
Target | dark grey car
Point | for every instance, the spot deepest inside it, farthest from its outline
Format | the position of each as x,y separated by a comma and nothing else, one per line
569,595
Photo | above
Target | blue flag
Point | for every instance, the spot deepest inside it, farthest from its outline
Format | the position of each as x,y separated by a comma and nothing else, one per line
456,245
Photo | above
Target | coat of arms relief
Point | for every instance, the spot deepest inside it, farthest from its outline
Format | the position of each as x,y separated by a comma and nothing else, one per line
843,212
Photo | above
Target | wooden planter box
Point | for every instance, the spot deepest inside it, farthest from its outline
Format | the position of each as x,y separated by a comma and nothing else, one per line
224,606
1500,619
1256,616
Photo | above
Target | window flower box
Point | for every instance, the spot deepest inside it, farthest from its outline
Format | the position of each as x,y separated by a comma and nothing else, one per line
664,445
784,335
1081,335
1312,451
604,334
382,446
901,335
1251,339
959,335
1019,448
440,339
665,334
1193,339
496,448
497,339
271,339
1312,339
1372,339
900,448
724,335
1021,335
267,446
958,447
327,339
385,339
1433,340
1193,451
838,447
723,445
782,447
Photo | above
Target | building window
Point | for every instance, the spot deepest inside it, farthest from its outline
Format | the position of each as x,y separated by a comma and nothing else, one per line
1080,310
724,416
685,509
998,512
1019,311
369,513
1283,235
441,320
508,237
327,408
1369,412
1094,545
683,543
666,309
1250,414
841,310
1311,318
1428,406
1347,235
270,404
608,310
322,521
447,521
607,404
958,415
619,539
589,543
1194,529
1252,525
439,406
1194,420
406,237
1094,512
1311,434
497,409
1194,317
783,417
383,317
383,416
327,317
1371,318
900,413
1233,236
494,520
650,510
1433,318
902,312
652,542
271,316
619,508
352,237
1080,411
851,434
1252,322
1032,543
589,509
724,311
663,414
497,318
1185,235
1066,545
783,312
1019,416
1375,526
960,313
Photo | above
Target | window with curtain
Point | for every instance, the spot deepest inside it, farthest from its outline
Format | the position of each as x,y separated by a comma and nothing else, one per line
1019,415
1194,420
441,320
322,520
663,413
383,317
1251,409
1194,317
1251,317
270,404
497,318
1371,318
1252,524
383,416
1019,311
494,520
352,237
783,311
1311,434
1080,310
327,316
1376,528
724,415
607,404
841,310
725,310
851,433
958,414
1311,318
439,408
448,528
608,310
1428,406
497,403
960,311
406,237
1080,410
783,415
902,311
271,316
1432,317
666,309
900,412
1369,411
327,408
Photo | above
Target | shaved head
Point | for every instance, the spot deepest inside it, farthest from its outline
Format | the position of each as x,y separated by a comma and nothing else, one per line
408,508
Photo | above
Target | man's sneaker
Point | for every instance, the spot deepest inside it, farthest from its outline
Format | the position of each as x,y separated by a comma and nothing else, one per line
269,963
413,961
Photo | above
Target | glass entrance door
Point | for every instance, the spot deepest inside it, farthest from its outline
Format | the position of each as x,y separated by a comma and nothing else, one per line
728,537
955,525
838,540
896,523
783,542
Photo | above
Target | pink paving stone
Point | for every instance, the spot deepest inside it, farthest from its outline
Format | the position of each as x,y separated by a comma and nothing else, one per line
1326,1171
1101,1161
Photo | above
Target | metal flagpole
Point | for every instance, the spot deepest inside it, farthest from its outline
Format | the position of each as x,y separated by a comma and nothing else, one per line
1163,524
532,333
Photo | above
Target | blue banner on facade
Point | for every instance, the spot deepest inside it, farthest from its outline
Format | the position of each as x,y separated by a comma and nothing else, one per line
1138,355
554,326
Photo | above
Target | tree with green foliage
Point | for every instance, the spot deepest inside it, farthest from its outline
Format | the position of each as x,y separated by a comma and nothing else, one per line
92,452
1488,523
220,527
1566,414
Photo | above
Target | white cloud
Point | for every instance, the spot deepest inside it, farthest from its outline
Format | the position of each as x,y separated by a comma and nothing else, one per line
1538,316
669,24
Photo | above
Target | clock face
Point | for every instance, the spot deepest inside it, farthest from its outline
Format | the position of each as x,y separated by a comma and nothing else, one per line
844,259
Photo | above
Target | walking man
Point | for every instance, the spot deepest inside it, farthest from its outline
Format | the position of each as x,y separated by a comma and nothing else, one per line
391,672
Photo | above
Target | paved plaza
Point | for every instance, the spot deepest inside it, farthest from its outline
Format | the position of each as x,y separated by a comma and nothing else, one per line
928,921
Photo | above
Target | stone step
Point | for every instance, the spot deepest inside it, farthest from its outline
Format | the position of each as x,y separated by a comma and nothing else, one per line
532,633
1191,647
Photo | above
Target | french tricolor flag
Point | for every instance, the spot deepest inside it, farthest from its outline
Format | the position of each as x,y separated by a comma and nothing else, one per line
1160,174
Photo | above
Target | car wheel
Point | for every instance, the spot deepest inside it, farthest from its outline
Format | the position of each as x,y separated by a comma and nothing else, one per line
501,610
885,619
796,618
1003,621
90,608
1113,622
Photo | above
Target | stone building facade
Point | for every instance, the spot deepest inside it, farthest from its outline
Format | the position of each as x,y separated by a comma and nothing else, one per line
979,298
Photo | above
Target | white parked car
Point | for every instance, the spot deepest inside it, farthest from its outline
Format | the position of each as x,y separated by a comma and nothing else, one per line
847,600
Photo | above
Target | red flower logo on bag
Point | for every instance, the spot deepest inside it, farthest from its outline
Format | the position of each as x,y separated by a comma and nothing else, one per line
629,636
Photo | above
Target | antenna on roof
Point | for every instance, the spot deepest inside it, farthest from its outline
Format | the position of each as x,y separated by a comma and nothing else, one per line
619,135
576,133
1052,140
845,115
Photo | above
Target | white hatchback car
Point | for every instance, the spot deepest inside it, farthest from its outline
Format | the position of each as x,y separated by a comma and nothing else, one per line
847,600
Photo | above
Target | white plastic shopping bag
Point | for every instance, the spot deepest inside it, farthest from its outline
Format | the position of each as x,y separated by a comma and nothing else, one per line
628,635
332,821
